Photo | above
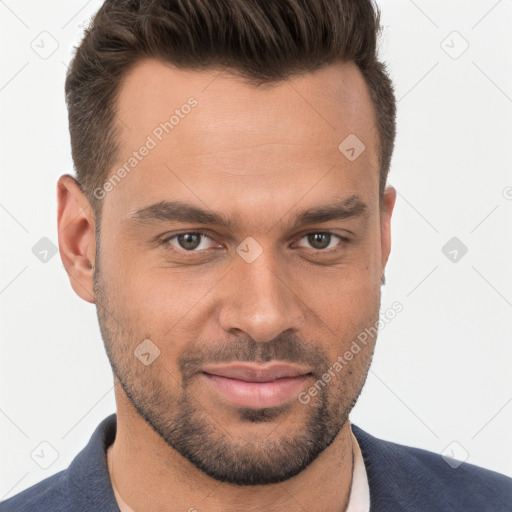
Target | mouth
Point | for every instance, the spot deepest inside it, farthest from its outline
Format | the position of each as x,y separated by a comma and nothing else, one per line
257,386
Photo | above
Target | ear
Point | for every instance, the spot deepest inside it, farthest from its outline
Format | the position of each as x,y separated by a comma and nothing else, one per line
77,242
386,210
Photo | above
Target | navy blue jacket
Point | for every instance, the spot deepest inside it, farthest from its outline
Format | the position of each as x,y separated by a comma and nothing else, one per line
400,478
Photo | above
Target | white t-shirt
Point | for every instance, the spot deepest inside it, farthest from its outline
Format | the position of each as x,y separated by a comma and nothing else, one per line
360,490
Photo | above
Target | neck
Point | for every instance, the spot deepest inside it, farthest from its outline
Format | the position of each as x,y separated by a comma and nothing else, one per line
147,474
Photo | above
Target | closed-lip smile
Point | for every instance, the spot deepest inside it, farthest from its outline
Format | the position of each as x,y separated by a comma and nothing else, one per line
257,385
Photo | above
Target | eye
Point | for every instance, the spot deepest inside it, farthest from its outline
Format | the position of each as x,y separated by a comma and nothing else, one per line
194,242
189,242
323,240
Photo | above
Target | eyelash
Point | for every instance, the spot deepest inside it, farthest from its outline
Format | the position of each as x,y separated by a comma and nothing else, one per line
192,253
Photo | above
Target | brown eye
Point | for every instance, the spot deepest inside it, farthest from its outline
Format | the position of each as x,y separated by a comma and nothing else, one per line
189,241
319,240
322,240
192,241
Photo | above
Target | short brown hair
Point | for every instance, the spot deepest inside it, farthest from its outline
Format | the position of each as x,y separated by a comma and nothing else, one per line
262,41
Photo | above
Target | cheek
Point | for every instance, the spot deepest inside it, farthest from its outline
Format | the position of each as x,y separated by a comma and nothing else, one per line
345,300
168,306
349,286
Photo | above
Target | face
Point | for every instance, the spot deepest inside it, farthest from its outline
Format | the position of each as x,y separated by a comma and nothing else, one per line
240,255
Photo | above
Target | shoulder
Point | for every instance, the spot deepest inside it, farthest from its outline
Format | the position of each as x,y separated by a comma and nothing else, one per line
82,487
49,494
422,480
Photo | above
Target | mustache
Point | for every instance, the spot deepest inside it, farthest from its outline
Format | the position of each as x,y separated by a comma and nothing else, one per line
286,348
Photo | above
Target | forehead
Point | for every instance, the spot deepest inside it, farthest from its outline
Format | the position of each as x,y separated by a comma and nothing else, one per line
215,136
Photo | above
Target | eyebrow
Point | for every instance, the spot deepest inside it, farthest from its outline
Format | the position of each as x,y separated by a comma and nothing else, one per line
179,211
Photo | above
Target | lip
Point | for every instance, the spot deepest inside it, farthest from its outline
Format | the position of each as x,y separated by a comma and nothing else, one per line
257,386
249,372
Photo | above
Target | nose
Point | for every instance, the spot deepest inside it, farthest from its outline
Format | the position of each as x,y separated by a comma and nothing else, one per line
260,299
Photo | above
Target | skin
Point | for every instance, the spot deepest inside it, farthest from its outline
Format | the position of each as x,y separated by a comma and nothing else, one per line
258,155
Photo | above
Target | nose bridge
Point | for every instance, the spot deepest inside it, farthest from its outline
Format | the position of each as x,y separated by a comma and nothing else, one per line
259,301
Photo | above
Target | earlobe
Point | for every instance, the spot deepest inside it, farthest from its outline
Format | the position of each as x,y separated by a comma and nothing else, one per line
387,206
77,242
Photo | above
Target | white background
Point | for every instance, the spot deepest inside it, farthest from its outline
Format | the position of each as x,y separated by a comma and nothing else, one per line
441,371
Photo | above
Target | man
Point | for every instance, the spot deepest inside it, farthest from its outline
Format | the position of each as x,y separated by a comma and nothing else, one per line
230,219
